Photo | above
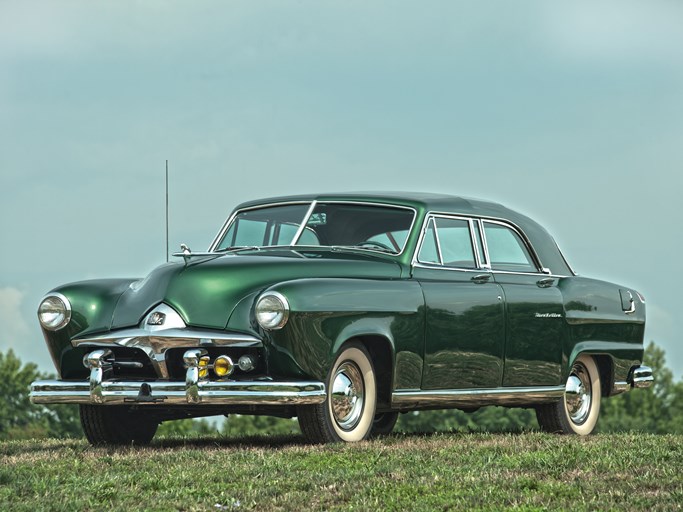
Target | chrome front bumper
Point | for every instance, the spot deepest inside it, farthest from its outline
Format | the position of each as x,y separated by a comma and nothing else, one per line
177,393
100,388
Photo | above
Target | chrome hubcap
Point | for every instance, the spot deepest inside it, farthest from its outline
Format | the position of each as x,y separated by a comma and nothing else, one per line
347,395
577,394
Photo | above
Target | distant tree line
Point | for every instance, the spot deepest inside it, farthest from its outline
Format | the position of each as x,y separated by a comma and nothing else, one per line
658,409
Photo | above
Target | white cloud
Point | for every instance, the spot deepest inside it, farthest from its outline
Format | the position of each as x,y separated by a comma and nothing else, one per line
14,328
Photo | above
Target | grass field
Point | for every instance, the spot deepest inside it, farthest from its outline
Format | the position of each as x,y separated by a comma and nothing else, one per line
532,471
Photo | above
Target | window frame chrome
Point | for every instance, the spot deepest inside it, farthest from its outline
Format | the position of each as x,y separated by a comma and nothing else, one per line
431,217
535,260
483,267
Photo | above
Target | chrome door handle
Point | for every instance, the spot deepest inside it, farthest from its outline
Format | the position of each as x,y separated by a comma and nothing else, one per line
546,282
481,278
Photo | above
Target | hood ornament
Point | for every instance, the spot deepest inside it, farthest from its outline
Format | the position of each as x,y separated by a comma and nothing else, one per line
187,253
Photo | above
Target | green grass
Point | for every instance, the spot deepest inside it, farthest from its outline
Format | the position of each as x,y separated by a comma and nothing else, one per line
531,471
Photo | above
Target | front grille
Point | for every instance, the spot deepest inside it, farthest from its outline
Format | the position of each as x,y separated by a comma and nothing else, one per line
132,363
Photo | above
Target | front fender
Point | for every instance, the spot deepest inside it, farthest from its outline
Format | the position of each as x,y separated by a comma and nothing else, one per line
325,313
92,308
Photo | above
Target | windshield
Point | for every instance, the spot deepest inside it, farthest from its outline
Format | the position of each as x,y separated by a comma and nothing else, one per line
337,224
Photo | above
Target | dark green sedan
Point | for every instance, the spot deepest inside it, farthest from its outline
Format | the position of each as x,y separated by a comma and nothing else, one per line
344,311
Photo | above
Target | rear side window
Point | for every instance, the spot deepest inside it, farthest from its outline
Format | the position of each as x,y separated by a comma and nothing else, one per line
507,250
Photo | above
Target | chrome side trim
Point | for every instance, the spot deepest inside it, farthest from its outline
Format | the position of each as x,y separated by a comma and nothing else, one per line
175,393
155,344
476,397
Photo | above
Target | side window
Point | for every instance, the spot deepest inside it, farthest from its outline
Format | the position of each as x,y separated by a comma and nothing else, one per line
455,242
429,252
507,250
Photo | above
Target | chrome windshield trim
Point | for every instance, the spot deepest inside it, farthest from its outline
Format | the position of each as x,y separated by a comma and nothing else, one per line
310,211
477,397
303,224
155,343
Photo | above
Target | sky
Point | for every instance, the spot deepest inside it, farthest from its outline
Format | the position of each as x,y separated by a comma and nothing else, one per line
570,112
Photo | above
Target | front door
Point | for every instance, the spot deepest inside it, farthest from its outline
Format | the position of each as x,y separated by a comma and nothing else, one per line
465,315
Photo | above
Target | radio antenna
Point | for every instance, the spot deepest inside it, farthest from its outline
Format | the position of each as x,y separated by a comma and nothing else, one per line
166,211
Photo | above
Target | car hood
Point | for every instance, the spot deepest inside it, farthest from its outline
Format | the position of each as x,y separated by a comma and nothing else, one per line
206,290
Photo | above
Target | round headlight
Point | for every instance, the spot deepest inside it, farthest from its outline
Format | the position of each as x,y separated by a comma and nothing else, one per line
54,312
272,310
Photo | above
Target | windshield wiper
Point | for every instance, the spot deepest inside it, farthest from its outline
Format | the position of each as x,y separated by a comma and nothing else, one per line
238,248
362,248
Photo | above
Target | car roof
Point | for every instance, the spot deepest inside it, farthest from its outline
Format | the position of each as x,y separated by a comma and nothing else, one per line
542,242
418,200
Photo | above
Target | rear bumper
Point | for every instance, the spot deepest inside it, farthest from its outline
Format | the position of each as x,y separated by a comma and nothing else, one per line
639,377
642,377
177,393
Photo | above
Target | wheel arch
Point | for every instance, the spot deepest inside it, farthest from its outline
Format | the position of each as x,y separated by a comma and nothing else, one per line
381,350
605,364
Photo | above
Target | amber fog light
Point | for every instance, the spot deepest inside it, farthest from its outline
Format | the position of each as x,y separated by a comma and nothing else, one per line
272,310
54,312
204,367
223,366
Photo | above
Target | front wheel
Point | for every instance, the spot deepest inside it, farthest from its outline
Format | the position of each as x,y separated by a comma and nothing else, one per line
116,424
384,423
349,410
577,413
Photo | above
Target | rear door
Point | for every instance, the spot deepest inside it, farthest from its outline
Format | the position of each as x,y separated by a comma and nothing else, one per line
535,324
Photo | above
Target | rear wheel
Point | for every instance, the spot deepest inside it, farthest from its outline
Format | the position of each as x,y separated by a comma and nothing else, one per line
116,424
577,413
349,410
